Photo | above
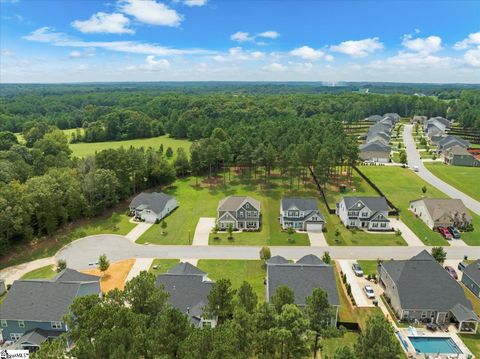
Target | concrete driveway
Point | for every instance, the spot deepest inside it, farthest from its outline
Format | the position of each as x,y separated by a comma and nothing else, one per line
407,234
202,231
414,160
317,239
138,230
141,264
357,284
13,273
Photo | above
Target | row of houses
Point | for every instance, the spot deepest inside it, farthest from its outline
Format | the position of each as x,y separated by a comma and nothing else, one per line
376,147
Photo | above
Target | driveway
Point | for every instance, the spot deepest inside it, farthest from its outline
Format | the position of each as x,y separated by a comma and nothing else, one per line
317,239
11,274
407,234
137,231
357,284
202,231
414,160
141,264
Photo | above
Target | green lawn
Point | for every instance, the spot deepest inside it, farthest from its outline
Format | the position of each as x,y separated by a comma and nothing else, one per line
116,223
368,267
202,201
472,341
330,345
237,271
46,272
465,179
163,265
83,149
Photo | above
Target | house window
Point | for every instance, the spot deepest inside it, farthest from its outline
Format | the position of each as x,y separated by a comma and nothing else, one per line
375,225
240,214
424,314
56,325
15,336
352,223
21,324
383,225
364,214
251,224
251,214
4,323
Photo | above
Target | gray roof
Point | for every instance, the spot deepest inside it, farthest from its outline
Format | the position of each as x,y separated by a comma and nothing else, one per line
442,120
310,259
70,275
302,203
277,260
452,141
422,284
463,313
188,293
154,201
449,207
375,146
233,203
394,116
303,278
473,271
185,268
375,118
375,204
36,337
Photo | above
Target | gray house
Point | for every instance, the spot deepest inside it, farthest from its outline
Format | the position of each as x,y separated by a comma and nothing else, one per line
471,277
152,207
188,287
459,156
301,213
450,141
421,289
369,213
33,310
375,151
242,212
302,277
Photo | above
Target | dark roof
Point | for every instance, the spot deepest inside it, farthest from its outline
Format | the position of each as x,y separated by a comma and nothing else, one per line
303,278
154,201
422,284
473,271
70,275
310,259
375,118
277,260
185,268
375,204
36,337
442,120
233,203
302,203
188,292
452,141
462,313
375,146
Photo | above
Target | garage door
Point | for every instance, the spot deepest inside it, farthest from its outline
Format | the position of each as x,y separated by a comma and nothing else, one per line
314,227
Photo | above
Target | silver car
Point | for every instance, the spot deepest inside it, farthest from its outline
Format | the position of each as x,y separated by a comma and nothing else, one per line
369,292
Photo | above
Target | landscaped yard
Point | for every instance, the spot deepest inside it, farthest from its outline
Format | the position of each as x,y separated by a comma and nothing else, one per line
116,223
202,201
46,272
330,345
83,149
163,265
368,267
237,271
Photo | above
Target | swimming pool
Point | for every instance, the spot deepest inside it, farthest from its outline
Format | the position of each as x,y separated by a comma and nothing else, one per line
435,345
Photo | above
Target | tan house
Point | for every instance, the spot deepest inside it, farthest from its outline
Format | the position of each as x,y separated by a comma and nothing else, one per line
441,212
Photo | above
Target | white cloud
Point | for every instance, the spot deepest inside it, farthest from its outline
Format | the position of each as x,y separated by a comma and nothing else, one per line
417,31
275,67
151,12
238,54
329,58
46,34
7,53
75,54
472,57
409,60
241,36
81,68
151,64
472,39
195,2
358,48
307,53
269,34
104,23
427,45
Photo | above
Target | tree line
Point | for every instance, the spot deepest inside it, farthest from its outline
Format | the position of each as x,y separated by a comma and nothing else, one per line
138,322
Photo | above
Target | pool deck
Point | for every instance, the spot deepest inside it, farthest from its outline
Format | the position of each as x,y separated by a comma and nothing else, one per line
411,352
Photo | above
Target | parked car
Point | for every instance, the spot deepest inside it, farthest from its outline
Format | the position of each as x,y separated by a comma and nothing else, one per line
357,270
452,272
462,266
415,168
455,232
369,292
445,233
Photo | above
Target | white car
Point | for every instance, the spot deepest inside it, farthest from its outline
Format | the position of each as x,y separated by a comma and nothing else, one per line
369,292
415,168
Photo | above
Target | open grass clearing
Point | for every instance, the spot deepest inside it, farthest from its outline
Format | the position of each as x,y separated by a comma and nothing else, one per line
115,276
330,345
83,149
163,265
237,271
369,267
46,272
116,223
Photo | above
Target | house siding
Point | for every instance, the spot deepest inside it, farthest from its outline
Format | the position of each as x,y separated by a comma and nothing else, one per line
419,209
471,284
13,327
363,217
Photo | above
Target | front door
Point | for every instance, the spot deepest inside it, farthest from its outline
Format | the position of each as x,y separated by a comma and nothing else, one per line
363,225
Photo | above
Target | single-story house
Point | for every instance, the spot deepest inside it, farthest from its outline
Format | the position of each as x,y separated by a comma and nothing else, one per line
441,212
451,141
152,207
375,151
394,116
302,277
242,212
189,288
459,156
421,289
370,213
301,213
33,310
471,277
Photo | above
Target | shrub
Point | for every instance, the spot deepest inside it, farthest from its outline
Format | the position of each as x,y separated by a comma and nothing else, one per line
265,253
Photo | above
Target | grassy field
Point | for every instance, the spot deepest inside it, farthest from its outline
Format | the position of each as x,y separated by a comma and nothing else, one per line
83,149
465,179
46,272
163,265
330,345
116,224
237,271
368,267
202,201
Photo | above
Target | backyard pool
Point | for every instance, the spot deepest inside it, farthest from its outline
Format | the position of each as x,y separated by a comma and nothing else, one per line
434,345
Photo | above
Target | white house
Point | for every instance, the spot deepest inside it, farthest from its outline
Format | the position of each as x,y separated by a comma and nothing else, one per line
441,212
300,213
152,207
370,213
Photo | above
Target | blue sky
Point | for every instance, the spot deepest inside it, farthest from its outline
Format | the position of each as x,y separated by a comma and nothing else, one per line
252,40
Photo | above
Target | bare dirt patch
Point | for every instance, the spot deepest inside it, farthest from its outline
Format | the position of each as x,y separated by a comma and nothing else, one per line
115,276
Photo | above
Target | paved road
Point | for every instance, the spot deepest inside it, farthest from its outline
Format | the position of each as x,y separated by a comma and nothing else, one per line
414,160
83,251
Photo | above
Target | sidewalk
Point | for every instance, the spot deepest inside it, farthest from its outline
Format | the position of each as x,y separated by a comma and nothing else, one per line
138,230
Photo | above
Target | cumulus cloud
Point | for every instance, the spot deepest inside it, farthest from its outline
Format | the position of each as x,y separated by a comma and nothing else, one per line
472,57
410,60
151,64
329,58
427,45
104,23
241,36
75,54
269,34
275,67
307,53
358,48
151,12
46,34
7,53
195,2
238,54
472,39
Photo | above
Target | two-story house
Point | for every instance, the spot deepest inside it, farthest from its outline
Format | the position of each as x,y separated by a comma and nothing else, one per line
242,212
369,213
301,213
33,310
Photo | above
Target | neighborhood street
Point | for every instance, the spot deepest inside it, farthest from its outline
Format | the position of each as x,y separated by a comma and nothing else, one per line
414,160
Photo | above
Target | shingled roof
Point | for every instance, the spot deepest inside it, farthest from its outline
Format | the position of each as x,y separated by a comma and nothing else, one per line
450,207
233,203
155,201
473,271
375,204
